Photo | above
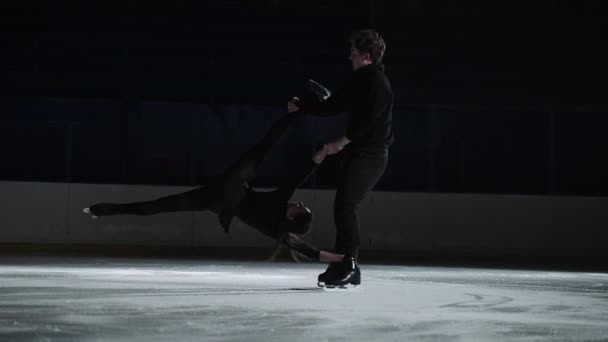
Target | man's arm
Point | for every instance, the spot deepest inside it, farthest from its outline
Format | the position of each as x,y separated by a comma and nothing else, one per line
359,125
332,147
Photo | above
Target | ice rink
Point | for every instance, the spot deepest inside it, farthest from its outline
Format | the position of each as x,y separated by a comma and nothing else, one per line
120,299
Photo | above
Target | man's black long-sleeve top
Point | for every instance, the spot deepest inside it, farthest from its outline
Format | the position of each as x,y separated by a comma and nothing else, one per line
368,98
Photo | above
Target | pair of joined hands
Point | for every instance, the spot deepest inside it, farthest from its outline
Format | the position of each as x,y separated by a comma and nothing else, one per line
329,148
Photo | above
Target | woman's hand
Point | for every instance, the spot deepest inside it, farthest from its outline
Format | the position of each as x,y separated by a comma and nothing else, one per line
292,105
325,256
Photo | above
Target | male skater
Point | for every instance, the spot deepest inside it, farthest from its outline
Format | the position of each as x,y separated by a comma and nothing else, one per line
368,99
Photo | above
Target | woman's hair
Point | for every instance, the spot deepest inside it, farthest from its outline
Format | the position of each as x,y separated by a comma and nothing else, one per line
300,225
295,246
369,41
288,236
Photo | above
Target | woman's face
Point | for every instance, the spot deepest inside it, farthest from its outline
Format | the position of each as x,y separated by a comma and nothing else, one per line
295,208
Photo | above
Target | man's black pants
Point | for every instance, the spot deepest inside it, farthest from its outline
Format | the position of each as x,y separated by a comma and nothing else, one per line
360,170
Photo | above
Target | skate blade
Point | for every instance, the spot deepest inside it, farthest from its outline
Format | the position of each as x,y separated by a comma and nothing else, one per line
349,287
88,211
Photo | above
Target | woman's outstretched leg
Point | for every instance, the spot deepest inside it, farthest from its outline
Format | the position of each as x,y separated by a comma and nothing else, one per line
198,199
244,168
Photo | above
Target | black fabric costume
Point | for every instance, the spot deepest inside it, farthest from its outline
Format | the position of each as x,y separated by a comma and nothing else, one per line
368,99
231,195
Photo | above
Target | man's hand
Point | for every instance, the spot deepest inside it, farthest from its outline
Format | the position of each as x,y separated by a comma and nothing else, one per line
336,146
292,105
330,148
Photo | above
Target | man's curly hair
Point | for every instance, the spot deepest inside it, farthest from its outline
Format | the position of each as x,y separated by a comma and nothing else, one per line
369,41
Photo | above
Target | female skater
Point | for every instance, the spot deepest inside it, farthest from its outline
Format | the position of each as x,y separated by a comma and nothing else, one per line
271,213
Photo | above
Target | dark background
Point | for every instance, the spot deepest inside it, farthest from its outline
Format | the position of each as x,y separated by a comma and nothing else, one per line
489,98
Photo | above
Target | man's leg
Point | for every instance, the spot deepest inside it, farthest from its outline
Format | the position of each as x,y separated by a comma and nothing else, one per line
361,172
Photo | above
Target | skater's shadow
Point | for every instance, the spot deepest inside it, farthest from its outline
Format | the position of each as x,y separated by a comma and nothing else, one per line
254,291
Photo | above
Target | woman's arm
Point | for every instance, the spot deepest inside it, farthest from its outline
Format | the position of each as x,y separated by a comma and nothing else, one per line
330,257
302,248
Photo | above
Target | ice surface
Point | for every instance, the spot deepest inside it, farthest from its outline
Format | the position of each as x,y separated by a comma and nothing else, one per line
94,299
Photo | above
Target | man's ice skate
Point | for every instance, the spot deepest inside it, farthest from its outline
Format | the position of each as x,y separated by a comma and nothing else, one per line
331,269
340,275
